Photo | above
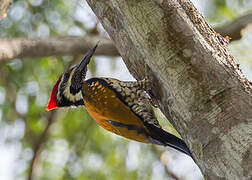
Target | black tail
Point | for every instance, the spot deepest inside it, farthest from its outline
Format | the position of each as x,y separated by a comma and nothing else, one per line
161,137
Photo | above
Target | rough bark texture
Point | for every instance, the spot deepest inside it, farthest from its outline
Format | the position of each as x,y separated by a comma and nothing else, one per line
197,84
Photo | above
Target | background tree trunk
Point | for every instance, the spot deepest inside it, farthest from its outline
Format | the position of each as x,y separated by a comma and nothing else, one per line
198,86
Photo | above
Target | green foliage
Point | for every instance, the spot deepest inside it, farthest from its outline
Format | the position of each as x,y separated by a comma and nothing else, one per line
227,10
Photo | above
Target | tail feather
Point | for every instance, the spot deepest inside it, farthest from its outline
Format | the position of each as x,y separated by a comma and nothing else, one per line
161,137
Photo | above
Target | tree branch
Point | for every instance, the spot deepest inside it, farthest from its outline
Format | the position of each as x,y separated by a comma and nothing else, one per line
234,28
75,45
195,80
54,46
41,141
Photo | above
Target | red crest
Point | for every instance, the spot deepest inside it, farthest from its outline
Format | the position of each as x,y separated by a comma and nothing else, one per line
52,104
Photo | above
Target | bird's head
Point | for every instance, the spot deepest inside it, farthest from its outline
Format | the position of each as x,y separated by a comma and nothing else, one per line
67,90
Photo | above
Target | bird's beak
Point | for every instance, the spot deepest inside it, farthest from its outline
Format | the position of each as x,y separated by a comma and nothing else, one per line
85,61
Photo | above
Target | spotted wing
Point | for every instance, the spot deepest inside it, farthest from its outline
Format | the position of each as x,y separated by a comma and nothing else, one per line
129,114
133,95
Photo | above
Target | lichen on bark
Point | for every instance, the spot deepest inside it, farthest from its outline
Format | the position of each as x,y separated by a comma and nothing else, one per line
196,81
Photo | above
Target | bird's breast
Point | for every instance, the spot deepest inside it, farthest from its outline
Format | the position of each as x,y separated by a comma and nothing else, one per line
111,113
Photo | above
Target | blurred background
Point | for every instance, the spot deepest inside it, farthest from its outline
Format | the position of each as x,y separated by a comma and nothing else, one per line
67,143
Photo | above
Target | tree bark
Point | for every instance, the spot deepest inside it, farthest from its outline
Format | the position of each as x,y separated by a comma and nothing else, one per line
196,82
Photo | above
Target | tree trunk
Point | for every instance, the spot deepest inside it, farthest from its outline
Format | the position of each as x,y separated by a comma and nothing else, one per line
198,86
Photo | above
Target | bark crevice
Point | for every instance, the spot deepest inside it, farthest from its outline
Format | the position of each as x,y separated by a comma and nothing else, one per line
197,83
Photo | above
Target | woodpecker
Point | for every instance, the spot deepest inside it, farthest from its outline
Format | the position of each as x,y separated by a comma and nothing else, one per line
121,107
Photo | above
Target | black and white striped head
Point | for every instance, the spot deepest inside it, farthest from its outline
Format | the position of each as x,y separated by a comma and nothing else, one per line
67,90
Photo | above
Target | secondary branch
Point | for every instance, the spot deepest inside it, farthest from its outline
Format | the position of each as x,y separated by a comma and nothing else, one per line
234,28
54,46
75,45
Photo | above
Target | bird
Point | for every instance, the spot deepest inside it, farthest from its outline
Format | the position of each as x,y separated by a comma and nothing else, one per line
121,107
